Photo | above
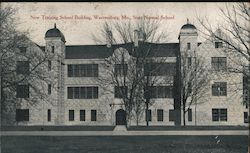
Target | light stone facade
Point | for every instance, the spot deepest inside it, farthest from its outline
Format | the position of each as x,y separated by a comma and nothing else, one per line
104,104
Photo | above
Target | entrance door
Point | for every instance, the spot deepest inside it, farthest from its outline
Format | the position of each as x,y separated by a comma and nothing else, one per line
120,116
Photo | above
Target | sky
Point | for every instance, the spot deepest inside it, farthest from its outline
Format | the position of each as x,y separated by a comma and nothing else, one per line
77,20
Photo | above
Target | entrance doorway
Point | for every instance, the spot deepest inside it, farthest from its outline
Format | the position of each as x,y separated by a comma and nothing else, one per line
120,117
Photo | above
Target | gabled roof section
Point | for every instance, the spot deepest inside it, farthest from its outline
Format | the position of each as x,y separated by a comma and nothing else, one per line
102,51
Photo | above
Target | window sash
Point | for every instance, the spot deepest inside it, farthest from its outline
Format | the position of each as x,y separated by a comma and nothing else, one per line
160,115
22,115
83,70
219,89
93,115
22,91
171,115
219,63
83,92
82,115
71,115
23,67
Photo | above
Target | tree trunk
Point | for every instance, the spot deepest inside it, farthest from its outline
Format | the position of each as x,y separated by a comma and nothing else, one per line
184,116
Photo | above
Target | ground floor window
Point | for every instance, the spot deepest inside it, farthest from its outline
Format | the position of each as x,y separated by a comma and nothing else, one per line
82,115
22,115
148,115
246,120
71,115
49,115
160,115
190,115
219,114
171,115
93,115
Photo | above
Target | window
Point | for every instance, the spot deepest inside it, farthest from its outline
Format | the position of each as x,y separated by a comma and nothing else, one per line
23,50
53,49
148,115
219,114
189,61
245,91
121,91
188,46
22,67
82,92
246,120
93,115
49,115
159,92
121,69
218,44
49,65
22,115
49,89
22,91
159,115
71,115
190,115
219,63
82,115
159,69
83,70
219,89
171,115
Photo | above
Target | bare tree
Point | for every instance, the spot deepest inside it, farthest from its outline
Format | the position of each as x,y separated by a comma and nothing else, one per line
194,82
22,63
234,33
132,45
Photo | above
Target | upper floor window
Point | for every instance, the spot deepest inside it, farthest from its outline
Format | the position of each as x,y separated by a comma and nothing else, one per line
82,92
22,91
159,69
83,70
219,63
218,44
246,91
188,46
121,69
121,91
219,89
219,114
23,67
22,115
23,50
159,92
53,49
49,65
49,89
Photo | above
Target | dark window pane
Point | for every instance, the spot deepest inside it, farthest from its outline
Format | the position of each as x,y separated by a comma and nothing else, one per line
82,115
23,50
190,115
22,115
49,65
219,63
70,70
121,91
223,114
22,67
93,115
53,49
95,92
218,44
49,115
71,115
219,89
160,115
22,91
171,115
148,115
70,92
83,93
49,89
246,120
215,114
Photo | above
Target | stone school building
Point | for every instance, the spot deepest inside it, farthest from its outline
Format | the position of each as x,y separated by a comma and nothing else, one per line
77,97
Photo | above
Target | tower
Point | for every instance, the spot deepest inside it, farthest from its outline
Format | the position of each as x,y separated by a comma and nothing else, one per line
55,49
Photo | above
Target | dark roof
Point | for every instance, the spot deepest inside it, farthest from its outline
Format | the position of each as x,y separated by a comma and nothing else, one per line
102,51
188,26
54,32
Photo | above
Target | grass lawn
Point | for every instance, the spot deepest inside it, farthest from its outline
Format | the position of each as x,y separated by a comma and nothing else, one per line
124,144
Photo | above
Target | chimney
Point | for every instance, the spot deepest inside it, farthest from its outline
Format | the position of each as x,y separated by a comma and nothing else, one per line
136,38
141,36
109,38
